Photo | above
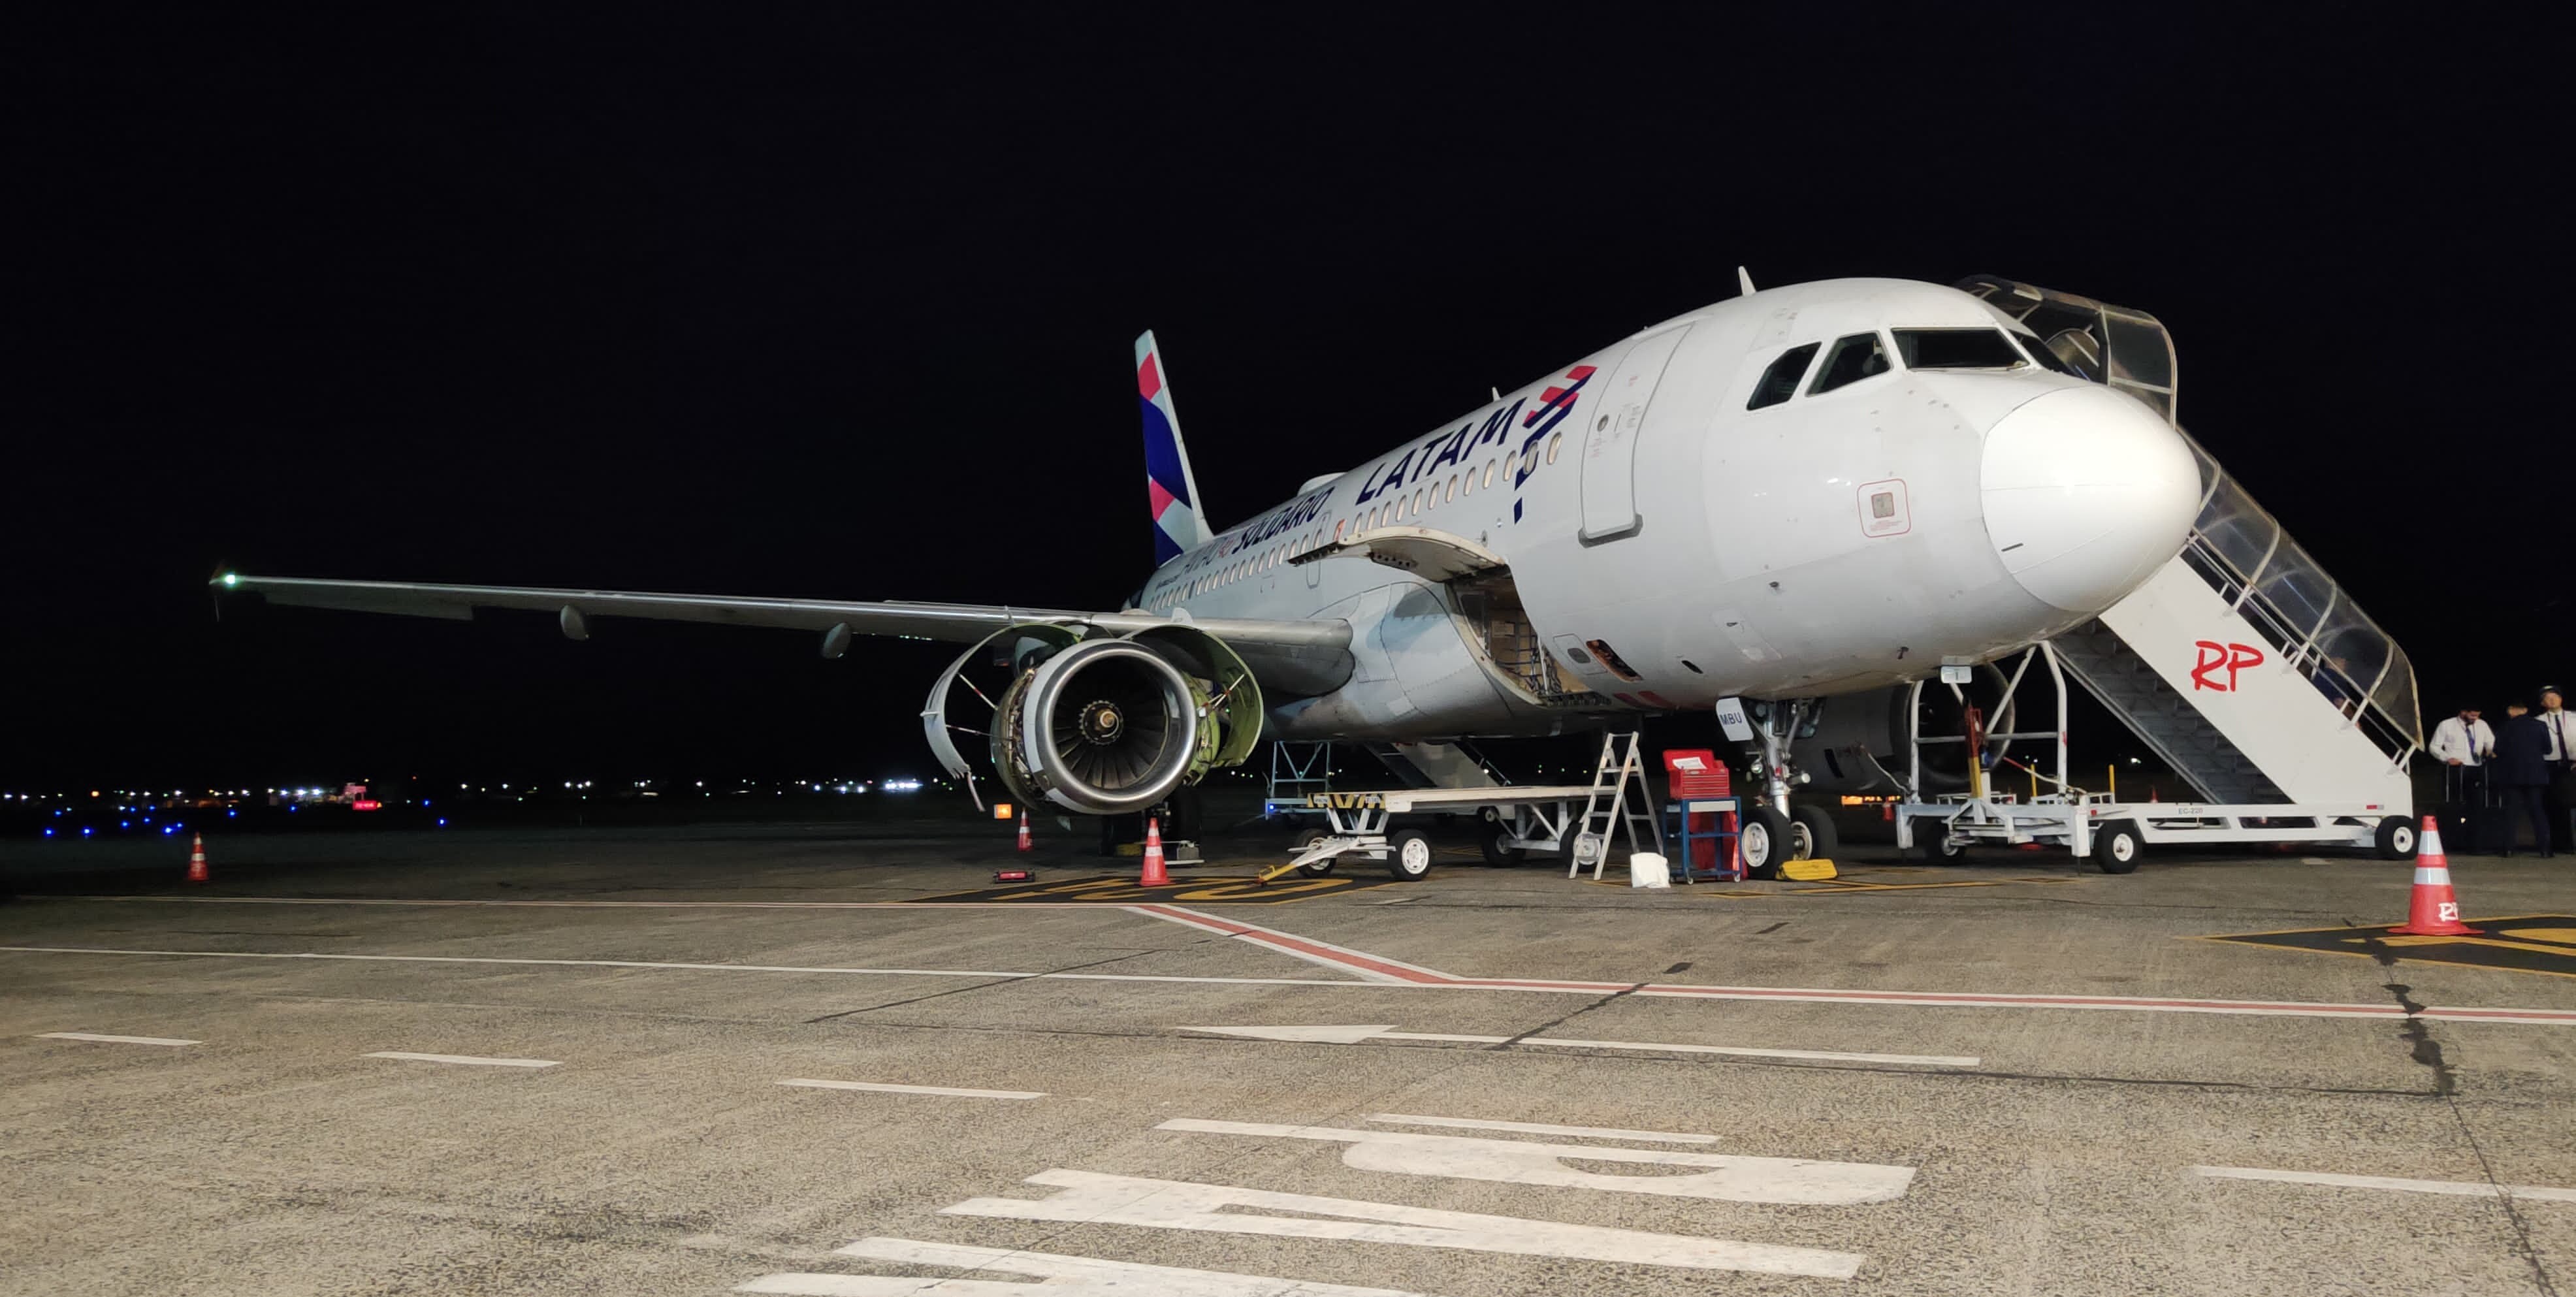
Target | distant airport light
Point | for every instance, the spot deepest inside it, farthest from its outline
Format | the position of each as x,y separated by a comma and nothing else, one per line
366,805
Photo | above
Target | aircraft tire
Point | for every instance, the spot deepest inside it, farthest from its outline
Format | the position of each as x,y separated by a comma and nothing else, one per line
1181,821
1762,841
1811,830
1118,830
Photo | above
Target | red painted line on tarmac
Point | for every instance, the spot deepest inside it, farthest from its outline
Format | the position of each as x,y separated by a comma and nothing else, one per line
1525,984
1302,947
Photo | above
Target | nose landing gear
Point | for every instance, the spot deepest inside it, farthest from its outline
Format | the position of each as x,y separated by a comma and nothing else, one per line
1772,830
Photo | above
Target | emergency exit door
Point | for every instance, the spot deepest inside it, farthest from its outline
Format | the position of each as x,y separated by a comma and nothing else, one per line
1610,438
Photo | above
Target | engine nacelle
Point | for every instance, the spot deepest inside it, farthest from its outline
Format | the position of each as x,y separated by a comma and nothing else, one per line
1107,726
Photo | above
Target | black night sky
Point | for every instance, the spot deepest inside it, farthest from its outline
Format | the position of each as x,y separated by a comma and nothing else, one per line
836,301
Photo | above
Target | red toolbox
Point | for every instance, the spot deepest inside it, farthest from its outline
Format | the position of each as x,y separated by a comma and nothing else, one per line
1696,773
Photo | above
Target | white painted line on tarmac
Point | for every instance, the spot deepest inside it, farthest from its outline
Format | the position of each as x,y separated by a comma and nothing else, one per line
466,1059
1542,1128
1063,1276
1091,1198
2462,1188
1722,1177
114,1040
1818,1055
885,1088
1907,999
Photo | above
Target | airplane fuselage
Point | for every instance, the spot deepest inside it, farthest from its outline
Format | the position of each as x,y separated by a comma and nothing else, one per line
1686,515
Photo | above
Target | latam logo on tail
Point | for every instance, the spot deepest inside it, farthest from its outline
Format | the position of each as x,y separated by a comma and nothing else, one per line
1168,489
2215,657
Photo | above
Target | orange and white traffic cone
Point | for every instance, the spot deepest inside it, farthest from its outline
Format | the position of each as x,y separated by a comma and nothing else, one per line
1024,831
2434,911
1153,875
197,861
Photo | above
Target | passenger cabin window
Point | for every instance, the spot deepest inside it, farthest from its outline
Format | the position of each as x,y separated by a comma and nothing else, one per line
1780,381
1853,358
1957,349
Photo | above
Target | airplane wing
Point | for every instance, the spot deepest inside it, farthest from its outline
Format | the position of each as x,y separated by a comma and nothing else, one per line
1295,658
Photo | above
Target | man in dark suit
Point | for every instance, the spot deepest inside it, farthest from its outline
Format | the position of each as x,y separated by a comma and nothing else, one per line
2520,775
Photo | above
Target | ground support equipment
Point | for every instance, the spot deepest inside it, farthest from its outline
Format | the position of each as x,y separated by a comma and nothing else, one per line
1358,824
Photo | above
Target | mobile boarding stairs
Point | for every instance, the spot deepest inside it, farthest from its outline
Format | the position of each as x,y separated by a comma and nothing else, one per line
2245,668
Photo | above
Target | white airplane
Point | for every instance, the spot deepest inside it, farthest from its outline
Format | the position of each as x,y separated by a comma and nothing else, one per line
1808,491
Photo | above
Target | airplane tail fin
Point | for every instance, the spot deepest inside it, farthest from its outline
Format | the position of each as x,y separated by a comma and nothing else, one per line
1170,491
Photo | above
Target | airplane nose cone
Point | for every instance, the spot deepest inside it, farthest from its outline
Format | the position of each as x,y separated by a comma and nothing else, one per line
2086,493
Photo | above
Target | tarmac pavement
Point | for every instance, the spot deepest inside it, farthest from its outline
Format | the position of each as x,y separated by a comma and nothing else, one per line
1509,1082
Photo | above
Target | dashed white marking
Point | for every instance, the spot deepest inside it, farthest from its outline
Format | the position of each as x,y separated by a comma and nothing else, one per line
2463,1188
1541,1128
1725,1177
114,1040
1090,1198
468,1060
885,1088
1057,1276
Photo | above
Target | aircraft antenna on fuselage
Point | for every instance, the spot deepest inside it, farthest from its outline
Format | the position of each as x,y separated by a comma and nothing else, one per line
1180,517
1744,280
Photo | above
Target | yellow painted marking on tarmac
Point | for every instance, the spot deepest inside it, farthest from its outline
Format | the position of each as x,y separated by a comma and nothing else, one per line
2417,946
2286,932
2562,936
1062,889
2533,946
1240,890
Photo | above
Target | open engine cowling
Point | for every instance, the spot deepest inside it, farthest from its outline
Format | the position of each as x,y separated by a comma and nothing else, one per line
1104,725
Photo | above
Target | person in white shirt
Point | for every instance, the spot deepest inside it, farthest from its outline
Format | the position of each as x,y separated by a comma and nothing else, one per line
2463,744
2561,729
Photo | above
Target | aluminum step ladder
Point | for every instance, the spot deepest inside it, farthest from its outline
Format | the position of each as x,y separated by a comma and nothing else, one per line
1609,803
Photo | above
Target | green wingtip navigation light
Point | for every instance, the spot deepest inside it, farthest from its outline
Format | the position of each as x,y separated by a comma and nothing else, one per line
232,578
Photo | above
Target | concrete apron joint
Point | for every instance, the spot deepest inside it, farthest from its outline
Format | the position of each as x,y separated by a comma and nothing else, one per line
2423,1049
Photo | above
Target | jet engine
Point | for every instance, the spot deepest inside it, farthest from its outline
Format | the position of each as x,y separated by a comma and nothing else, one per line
1096,723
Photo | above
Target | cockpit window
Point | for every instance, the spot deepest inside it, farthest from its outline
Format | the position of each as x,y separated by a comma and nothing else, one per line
1780,381
1957,349
1852,359
2040,354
